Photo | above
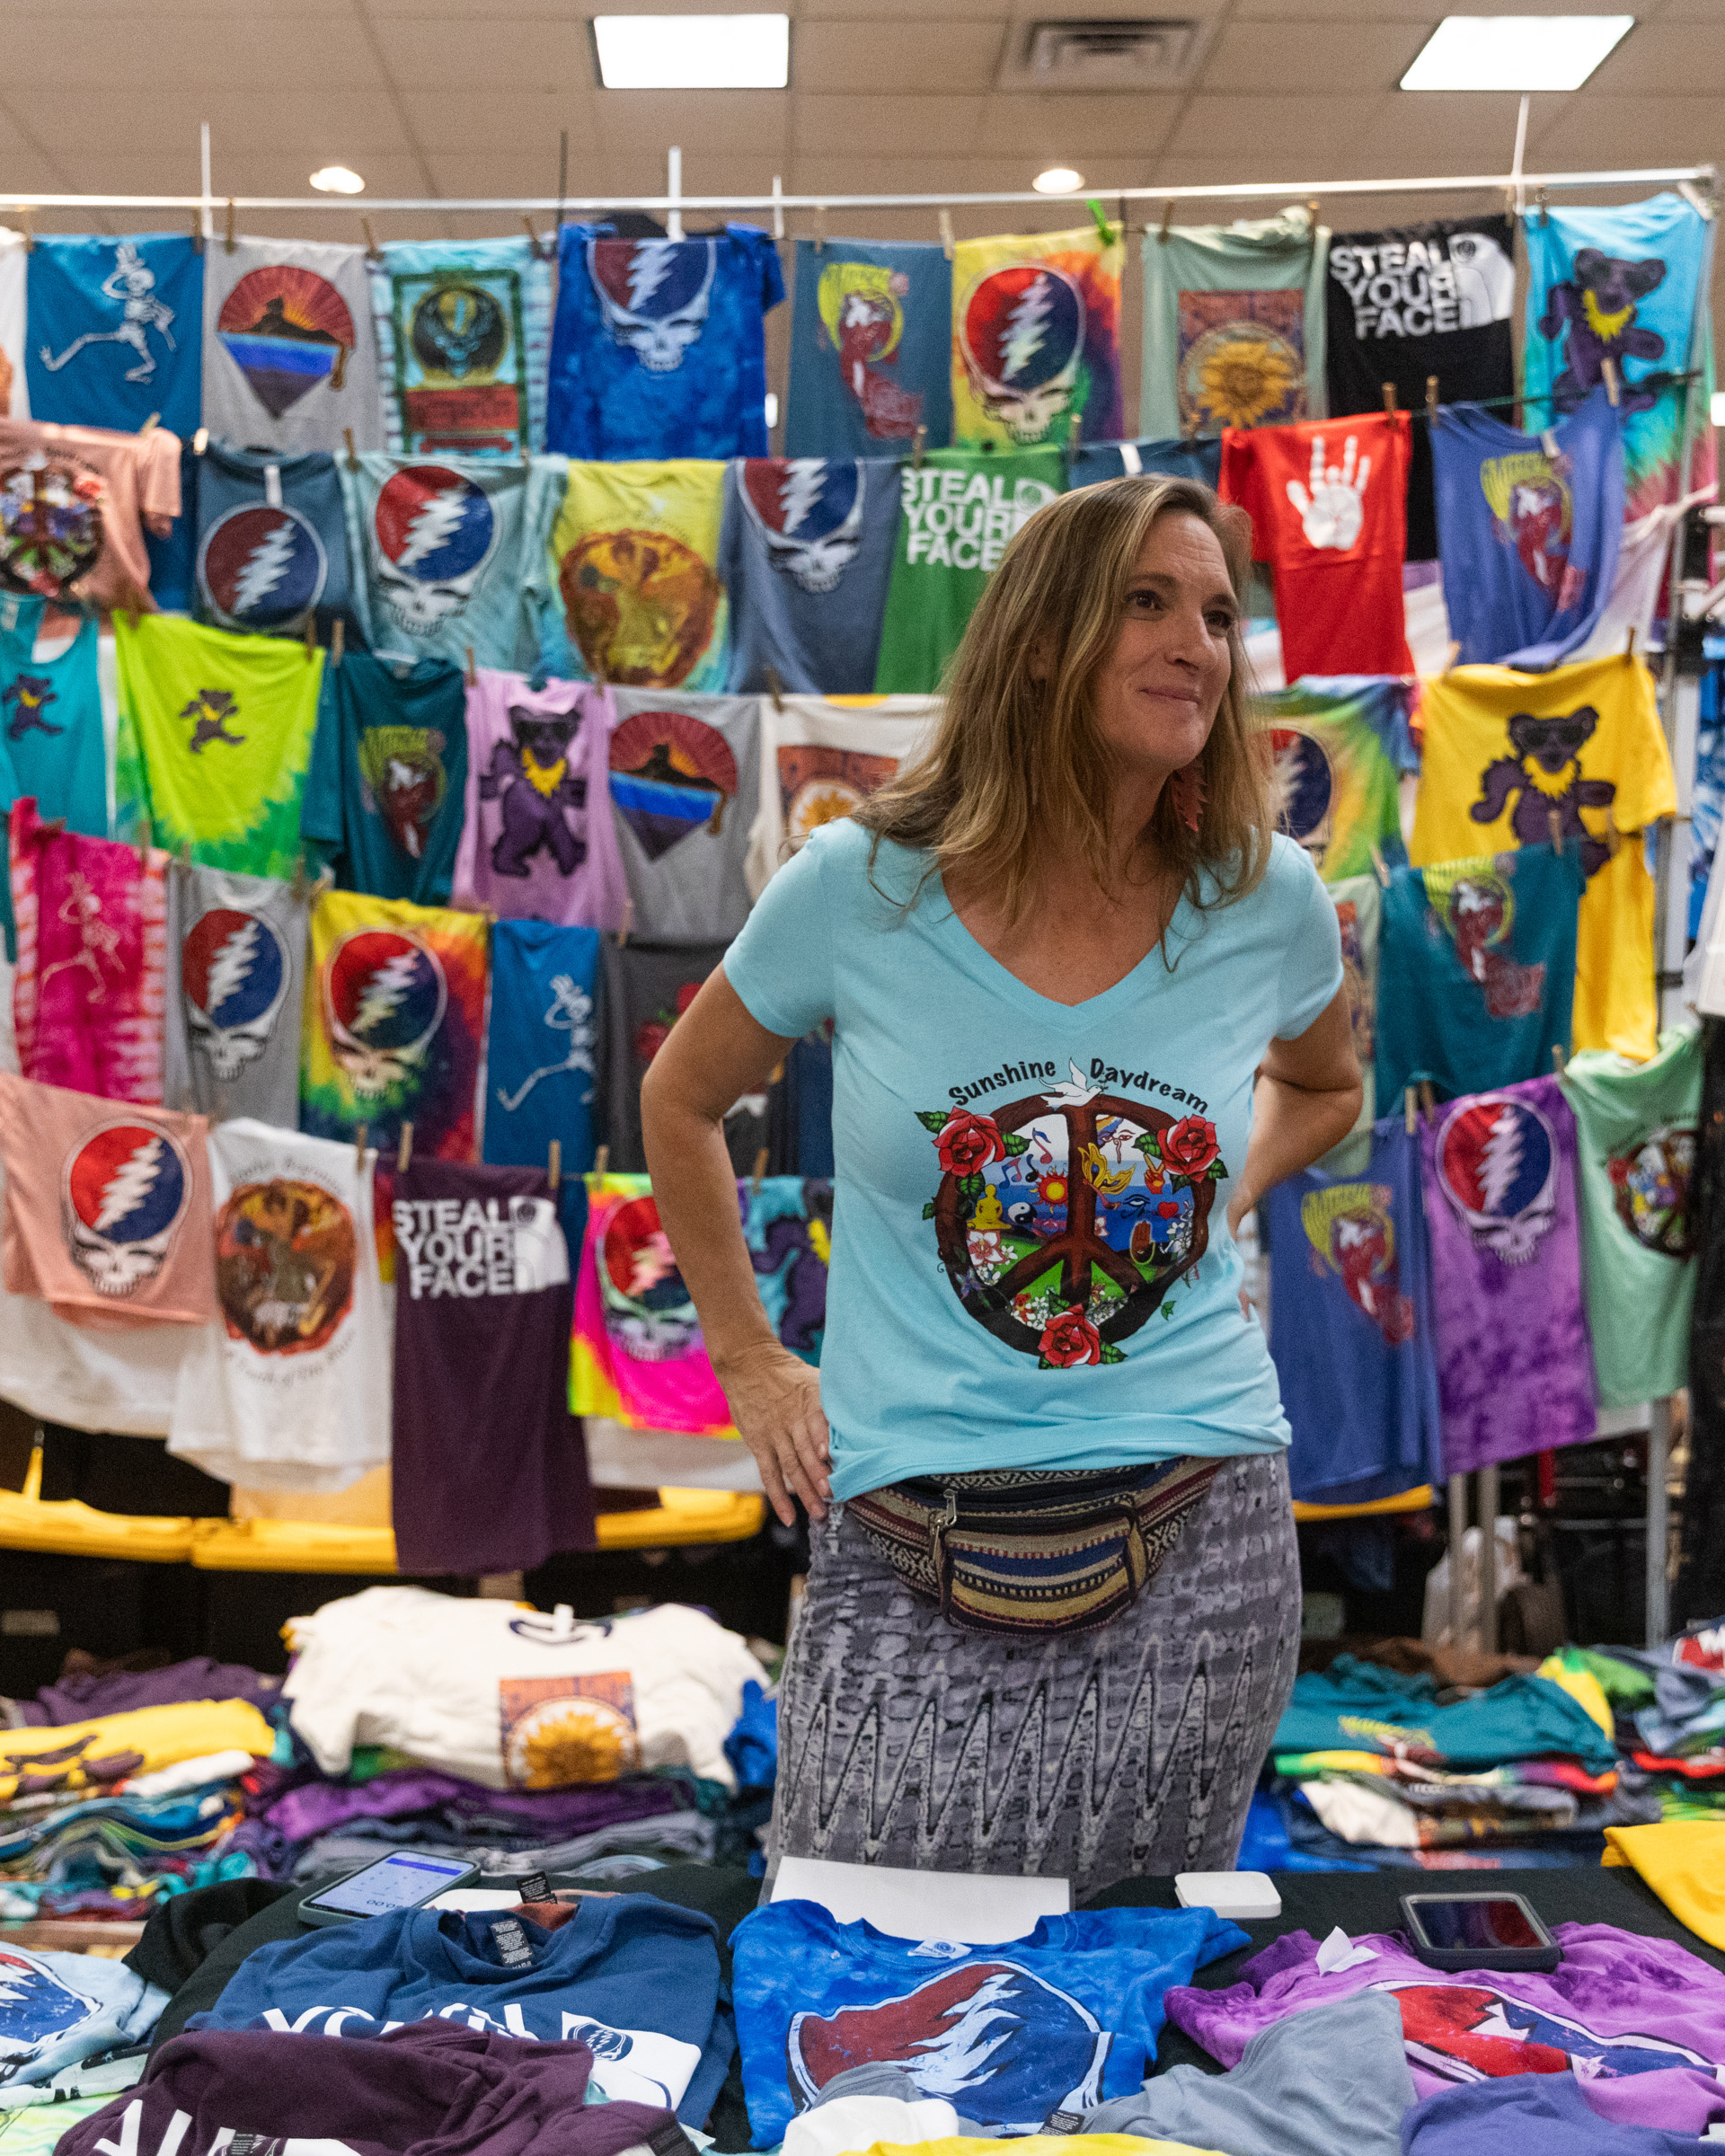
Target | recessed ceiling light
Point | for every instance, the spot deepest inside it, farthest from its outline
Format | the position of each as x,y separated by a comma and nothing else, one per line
693,52
1515,52
337,180
1058,179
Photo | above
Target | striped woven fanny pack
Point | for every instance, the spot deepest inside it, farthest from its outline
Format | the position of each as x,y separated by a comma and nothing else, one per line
1033,1552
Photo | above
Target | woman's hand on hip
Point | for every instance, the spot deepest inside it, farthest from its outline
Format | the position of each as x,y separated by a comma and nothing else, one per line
775,1403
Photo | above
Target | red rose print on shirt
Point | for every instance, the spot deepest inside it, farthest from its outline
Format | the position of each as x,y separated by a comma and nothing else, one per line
1190,1145
967,1143
654,1032
1071,1340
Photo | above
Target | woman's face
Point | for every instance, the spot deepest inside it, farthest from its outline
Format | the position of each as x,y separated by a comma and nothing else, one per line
1162,686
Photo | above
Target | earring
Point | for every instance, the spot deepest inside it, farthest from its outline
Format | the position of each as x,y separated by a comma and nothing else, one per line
1187,789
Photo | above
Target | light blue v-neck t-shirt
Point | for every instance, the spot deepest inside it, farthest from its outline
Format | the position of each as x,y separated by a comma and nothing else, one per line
1031,1259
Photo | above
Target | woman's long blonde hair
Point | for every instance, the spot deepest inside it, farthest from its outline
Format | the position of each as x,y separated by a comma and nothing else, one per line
1017,761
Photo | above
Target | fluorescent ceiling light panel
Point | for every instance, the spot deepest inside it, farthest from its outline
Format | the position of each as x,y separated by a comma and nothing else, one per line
1515,52
693,52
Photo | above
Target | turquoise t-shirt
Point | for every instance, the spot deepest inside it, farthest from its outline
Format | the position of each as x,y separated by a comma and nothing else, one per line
1031,1259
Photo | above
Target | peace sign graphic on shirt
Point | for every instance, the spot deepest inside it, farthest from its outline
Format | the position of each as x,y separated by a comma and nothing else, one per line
1332,512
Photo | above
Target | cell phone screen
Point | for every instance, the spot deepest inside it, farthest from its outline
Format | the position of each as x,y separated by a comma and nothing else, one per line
397,1883
1484,1923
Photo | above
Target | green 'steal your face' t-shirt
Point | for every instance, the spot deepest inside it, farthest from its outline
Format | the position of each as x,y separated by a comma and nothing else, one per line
1031,1264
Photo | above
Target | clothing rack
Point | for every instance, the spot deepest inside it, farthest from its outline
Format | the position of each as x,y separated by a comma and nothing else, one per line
1698,182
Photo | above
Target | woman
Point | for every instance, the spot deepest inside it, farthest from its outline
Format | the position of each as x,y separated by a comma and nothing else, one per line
1053,1600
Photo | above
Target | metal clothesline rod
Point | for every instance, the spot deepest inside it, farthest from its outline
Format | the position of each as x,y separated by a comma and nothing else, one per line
1248,191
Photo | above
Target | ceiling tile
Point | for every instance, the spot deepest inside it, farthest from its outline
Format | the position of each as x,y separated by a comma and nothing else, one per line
1337,58
1597,132
1301,135
1110,127
1664,58
502,54
187,52
527,122
881,127
696,121
886,55
1425,133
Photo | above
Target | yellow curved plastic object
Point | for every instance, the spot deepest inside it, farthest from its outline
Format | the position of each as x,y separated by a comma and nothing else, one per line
69,1756
684,1516
65,1528
1408,1500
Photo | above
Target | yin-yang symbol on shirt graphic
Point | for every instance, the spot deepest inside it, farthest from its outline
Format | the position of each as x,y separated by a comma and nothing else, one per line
1063,1218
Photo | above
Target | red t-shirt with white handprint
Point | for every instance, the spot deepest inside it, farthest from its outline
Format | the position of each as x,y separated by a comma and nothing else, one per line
1328,503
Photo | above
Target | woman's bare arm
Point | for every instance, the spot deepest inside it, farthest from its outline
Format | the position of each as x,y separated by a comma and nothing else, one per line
1306,1097
715,1053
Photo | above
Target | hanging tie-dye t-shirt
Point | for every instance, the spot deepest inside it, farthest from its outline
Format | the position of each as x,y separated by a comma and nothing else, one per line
464,332
394,1023
1036,341
89,995
1340,744
629,588
1628,284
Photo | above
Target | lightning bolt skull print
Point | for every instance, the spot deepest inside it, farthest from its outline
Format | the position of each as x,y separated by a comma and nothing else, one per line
261,568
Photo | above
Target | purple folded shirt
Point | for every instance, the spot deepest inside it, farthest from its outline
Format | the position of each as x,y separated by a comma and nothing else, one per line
84,1695
320,1807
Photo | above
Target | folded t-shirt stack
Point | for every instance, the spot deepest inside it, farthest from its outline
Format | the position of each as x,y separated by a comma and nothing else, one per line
435,2087
505,1695
1054,2022
635,1979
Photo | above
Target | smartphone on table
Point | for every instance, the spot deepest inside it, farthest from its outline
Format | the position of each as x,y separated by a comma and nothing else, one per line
1478,1932
404,1879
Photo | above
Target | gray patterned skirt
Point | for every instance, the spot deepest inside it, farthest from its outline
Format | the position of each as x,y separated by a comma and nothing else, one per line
1128,1750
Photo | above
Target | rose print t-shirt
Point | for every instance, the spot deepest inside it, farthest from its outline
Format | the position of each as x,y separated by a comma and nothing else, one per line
1030,1260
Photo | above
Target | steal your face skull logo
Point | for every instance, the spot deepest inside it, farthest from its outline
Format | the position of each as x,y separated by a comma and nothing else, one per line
808,510
124,1193
1023,335
1497,1164
654,294
384,996
233,976
433,532
260,566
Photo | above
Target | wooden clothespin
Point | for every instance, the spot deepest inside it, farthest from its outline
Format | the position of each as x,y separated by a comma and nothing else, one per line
54,827
1389,398
404,1149
1613,387
1410,1115
1428,1099
472,671
1453,651
374,252
760,1171
338,640
362,1131
299,885
820,227
143,843
227,238
311,630
1543,207
918,446
1431,399
1380,868
30,237
1167,220
200,441
601,1161
1312,211
628,921
197,232
353,459
1554,824
555,1165
1613,837
775,1076
150,422
533,237
946,233
185,853
775,688
1629,642
1558,1057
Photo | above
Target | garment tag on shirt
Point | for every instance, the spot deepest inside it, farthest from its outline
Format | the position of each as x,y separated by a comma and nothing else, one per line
272,485
510,1941
1130,461
670,2140
253,2144
1064,2122
535,1887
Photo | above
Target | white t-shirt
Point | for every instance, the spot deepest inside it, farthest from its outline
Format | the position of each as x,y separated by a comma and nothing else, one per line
819,759
509,1697
290,1389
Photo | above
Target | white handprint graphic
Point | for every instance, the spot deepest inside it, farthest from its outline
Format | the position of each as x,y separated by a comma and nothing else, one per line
1332,512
